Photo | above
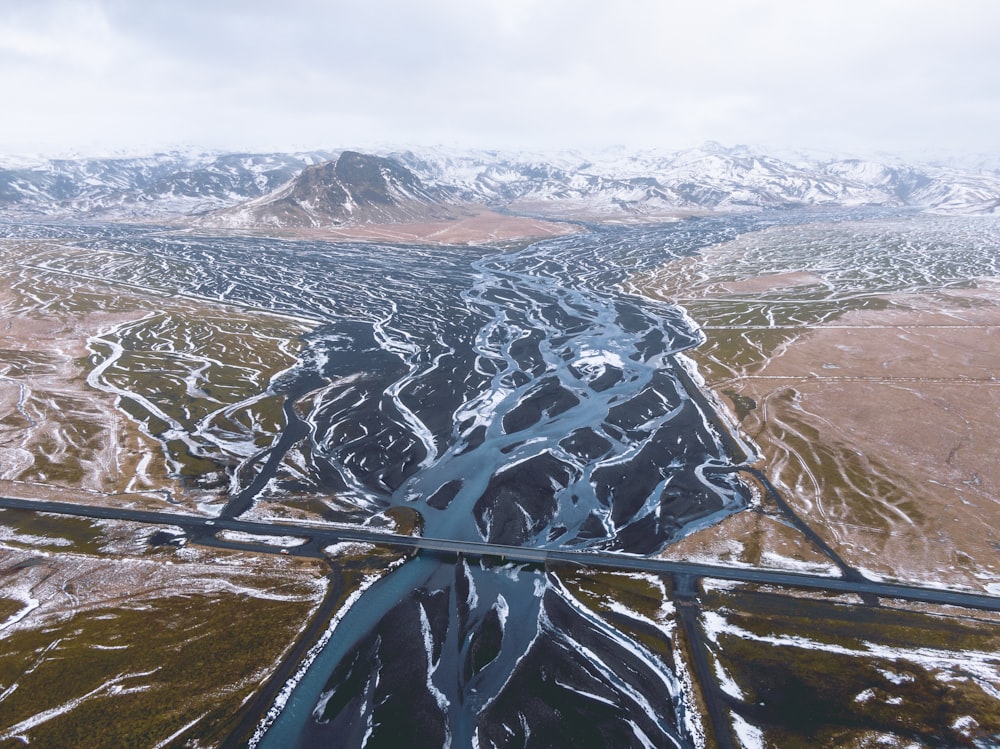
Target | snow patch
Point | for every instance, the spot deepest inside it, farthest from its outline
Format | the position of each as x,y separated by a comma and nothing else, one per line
349,549
750,737
284,541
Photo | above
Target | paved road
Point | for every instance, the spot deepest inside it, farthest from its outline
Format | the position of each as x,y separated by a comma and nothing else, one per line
719,718
318,536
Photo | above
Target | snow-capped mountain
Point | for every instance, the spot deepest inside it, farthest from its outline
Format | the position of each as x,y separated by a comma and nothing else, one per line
711,177
162,185
356,188
320,188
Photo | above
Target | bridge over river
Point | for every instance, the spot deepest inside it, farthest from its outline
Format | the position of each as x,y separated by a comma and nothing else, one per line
204,530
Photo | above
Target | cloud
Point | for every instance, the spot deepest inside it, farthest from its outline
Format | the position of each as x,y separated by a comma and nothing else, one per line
852,75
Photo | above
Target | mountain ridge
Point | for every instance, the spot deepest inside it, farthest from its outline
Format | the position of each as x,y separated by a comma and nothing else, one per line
306,188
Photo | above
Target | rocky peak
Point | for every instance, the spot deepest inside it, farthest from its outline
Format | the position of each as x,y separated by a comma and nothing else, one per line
356,188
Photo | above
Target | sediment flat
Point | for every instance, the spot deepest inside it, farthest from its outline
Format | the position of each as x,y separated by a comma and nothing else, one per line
481,227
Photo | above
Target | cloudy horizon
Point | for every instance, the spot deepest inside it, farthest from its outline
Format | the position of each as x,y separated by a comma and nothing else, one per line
852,78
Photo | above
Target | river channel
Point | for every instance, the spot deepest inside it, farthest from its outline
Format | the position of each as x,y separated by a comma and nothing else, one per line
513,395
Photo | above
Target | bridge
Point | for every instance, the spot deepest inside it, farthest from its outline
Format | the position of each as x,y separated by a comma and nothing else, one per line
204,530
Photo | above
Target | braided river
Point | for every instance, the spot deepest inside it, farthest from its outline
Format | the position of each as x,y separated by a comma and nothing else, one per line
510,394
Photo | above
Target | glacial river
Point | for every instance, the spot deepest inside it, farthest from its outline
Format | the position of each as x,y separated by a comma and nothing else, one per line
515,396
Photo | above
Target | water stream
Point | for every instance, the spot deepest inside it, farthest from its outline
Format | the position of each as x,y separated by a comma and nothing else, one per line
513,396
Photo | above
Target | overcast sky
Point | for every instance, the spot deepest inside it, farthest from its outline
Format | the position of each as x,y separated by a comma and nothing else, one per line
851,77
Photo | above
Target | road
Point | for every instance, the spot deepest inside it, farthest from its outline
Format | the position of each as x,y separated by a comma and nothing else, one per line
204,529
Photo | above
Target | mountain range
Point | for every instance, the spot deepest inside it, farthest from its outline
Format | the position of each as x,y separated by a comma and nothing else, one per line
340,188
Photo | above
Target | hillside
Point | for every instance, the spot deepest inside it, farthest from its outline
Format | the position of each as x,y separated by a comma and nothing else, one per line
355,189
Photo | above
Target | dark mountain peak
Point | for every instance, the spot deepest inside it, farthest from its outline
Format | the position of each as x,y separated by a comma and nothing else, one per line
373,179
355,181
357,188
353,166
319,184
